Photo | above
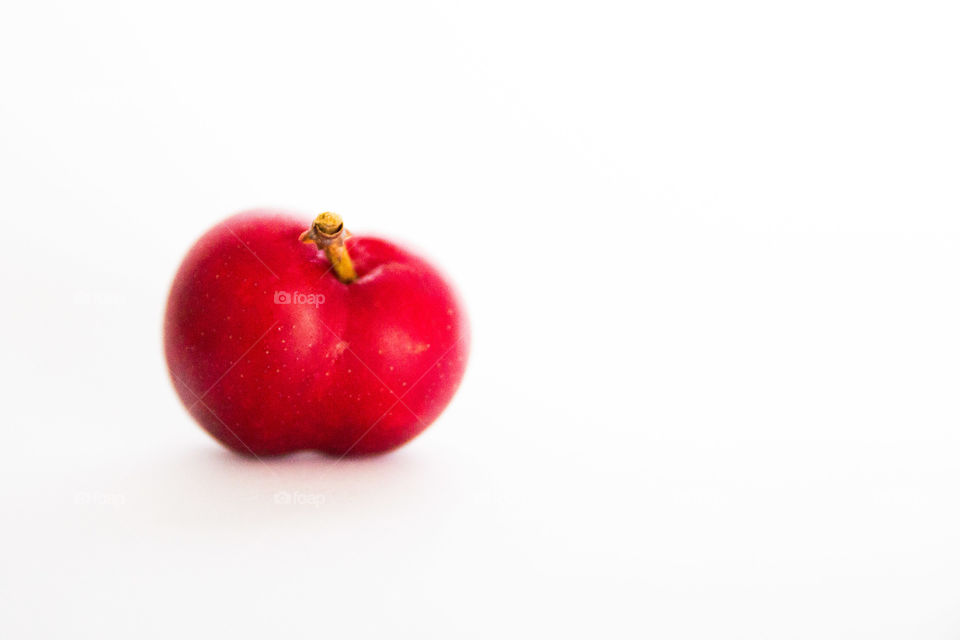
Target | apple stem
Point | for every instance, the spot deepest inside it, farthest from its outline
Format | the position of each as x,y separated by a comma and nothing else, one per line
328,234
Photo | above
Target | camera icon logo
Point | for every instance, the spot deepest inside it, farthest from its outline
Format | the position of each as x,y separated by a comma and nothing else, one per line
281,297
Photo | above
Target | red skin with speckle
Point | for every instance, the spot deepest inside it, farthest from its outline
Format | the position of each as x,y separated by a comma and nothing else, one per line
363,371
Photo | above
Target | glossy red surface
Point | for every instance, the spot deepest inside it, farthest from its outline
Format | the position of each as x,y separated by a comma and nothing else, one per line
272,354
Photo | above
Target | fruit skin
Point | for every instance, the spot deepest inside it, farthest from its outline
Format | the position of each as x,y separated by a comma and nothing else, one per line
362,373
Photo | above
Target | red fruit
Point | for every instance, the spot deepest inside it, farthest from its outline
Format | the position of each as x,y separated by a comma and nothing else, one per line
275,349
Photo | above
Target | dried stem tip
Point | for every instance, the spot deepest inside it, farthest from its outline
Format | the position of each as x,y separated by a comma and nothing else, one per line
328,234
328,223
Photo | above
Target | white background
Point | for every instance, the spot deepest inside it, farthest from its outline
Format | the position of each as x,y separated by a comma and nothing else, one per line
711,255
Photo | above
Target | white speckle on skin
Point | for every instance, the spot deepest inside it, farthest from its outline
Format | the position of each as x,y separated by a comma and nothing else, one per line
338,349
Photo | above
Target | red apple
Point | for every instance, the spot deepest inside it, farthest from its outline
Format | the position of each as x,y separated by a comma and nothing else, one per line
275,346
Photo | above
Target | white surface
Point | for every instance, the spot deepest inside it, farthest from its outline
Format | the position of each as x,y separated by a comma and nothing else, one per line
713,394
